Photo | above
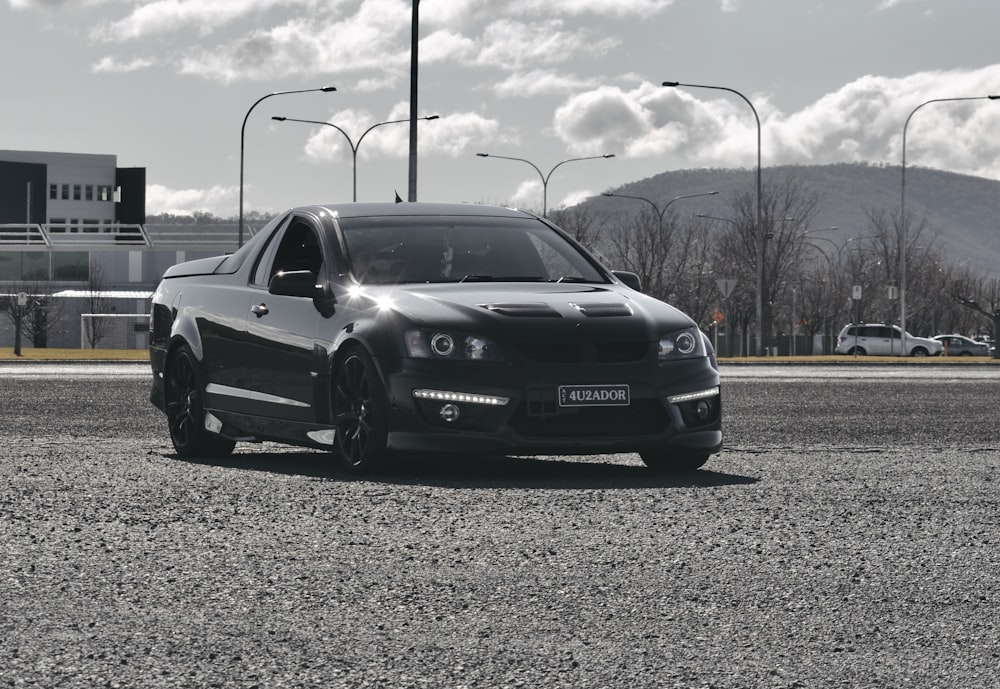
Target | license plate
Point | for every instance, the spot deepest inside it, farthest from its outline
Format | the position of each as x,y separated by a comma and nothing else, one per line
594,395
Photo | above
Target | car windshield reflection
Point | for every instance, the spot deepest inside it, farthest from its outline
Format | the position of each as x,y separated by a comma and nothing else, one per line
430,250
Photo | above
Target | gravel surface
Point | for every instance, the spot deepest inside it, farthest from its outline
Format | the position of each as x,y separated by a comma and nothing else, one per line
847,537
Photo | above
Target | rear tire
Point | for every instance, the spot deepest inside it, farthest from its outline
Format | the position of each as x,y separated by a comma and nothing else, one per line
857,350
360,414
673,462
185,408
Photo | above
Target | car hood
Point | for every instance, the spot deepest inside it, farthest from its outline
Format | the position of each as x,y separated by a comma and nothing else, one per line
538,310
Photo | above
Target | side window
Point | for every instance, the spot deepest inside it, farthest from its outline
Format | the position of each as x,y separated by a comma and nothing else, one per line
298,249
262,271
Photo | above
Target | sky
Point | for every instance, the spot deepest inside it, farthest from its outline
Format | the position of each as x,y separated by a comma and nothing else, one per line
166,85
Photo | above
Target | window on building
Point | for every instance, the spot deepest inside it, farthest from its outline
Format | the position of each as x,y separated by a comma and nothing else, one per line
77,192
65,192
104,193
71,265
88,192
53,191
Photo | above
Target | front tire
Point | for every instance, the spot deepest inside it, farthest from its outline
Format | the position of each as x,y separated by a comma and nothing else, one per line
673,461
918,351
186,410
360,414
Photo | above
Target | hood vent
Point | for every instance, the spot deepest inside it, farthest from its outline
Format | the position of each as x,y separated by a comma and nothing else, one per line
603,310
535,310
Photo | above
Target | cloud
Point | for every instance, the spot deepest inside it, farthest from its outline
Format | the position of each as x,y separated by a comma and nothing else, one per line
111,65
163,16
452,135
540,83
218,200
54,4
514,45
364,42
619,8
861,121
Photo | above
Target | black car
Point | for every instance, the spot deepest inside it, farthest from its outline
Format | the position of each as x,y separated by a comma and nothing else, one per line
376,330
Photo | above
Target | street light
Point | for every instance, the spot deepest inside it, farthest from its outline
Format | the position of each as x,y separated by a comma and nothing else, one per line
545,178
324,89
660,211
902,213
354,146
758,228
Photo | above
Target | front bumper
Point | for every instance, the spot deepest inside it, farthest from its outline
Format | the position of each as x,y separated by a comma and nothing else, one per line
468,415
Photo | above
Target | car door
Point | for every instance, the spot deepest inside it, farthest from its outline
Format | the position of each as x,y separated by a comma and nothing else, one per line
281,330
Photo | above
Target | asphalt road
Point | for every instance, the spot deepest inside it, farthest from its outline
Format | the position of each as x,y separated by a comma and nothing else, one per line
847,537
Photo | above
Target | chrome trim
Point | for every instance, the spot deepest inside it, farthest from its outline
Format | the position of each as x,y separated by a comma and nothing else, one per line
228,391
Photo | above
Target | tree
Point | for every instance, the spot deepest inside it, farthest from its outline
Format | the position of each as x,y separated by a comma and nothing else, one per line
38,317
96,329
983,297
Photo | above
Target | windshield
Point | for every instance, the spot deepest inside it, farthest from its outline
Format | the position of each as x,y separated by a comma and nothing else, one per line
393,250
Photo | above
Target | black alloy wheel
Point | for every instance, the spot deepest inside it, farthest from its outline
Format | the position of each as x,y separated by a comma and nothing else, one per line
360,413
186,410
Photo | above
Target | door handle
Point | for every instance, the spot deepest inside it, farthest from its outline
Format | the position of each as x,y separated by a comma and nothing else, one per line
259,310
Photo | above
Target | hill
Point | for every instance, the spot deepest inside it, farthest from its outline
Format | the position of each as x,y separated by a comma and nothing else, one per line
962,211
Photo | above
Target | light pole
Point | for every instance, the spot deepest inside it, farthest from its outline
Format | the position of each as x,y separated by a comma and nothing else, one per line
414,62
660,212
324,89
902,214
353,145
545,178
759,233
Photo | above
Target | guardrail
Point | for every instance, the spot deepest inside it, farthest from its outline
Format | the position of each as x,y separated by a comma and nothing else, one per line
119,237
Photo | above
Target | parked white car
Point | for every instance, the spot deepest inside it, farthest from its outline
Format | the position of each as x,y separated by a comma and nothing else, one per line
878,339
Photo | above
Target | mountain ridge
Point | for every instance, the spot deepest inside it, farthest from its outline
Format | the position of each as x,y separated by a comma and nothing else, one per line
962,212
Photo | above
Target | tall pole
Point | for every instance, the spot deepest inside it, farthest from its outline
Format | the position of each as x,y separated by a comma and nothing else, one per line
544,177
243,129
354,146
758,230
414,41
902,214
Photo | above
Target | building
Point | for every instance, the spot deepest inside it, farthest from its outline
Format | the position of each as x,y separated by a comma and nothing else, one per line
73,241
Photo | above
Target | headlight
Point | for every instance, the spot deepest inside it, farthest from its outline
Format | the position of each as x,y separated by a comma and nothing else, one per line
681,344
440,344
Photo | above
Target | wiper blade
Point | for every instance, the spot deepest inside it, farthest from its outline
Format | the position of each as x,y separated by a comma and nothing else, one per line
570,278
500,278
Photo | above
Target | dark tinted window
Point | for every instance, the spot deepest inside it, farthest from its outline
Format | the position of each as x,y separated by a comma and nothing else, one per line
452,249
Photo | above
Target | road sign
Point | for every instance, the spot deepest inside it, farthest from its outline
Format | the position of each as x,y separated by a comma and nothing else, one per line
726,286
856,293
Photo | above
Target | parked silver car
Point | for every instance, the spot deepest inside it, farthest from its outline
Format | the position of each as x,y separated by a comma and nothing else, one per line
878,339
960,345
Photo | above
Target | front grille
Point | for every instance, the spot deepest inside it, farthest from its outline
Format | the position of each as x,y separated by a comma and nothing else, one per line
589,353
542,418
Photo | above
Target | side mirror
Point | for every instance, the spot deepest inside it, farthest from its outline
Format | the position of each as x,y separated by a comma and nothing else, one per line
630,279
295,283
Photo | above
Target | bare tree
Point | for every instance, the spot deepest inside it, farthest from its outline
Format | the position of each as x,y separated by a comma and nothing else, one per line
97,301
39,316
583,223
982,296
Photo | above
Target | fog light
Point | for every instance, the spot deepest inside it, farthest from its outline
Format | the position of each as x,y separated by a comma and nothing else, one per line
450,413
702,409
